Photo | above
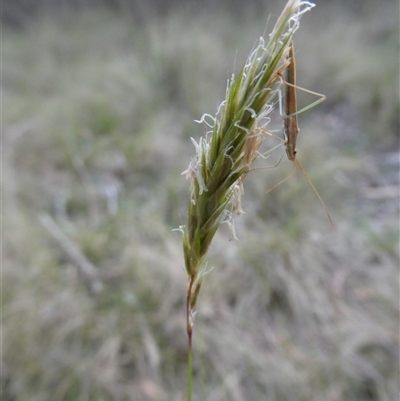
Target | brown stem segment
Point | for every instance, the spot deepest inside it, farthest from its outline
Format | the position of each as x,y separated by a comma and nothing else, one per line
189,329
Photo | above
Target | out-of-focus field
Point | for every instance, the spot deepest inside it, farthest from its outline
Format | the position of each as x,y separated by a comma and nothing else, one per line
98,112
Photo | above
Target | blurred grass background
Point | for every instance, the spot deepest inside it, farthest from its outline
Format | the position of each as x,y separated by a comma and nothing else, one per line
98,105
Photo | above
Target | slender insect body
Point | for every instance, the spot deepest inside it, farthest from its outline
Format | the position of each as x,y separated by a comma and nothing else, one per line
291,144
290,122
291,127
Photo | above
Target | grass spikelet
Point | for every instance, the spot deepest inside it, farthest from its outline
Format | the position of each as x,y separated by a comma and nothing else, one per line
225,154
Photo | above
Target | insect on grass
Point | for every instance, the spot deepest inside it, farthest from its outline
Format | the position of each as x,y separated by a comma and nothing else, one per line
291,127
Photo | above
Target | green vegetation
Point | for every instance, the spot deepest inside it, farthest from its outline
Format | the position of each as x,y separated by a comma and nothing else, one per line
97,117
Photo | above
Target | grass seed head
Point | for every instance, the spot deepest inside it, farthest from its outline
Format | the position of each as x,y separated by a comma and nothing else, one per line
231,144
